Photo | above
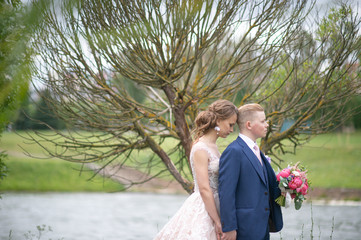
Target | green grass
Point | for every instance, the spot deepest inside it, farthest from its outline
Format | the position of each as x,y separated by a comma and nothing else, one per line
333,160
42,175
36,175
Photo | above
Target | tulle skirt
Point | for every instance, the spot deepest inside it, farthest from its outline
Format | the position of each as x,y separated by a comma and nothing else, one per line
191,221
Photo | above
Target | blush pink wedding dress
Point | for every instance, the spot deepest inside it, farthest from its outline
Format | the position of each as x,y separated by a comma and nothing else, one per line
192,221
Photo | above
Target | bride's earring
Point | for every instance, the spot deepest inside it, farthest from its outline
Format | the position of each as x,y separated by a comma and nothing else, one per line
217,129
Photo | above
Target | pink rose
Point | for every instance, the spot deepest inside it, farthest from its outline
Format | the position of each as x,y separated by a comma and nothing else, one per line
295,183
292,185
304,189
285,173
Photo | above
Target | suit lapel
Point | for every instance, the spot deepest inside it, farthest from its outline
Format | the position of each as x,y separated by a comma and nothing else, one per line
253,159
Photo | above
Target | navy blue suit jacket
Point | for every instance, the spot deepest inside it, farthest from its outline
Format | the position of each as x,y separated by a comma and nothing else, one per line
247,192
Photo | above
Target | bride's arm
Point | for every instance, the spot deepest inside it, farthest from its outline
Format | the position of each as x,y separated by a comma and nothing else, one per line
200,164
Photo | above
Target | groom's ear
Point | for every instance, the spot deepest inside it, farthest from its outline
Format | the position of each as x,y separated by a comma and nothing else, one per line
248,125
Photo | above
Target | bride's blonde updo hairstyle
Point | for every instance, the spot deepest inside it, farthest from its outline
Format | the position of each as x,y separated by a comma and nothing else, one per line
206,120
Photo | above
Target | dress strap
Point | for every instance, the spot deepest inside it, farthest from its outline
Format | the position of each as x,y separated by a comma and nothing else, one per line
202,146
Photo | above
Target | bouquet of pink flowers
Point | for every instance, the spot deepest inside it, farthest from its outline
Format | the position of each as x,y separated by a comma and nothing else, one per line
293,180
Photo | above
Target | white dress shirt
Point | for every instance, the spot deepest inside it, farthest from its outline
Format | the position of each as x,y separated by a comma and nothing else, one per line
252,145
249,142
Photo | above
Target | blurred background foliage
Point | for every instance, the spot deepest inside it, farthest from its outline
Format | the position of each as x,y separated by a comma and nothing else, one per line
18,22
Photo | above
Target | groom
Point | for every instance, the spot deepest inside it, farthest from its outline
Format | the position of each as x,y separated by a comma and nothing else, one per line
247,182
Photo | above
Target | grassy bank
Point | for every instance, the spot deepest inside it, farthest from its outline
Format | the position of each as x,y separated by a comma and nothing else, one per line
333,160
42,175
38,175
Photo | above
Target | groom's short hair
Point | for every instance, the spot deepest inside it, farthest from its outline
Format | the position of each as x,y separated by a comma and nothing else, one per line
245,113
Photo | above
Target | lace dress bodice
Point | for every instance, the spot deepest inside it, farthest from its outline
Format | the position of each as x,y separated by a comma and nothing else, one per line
213,166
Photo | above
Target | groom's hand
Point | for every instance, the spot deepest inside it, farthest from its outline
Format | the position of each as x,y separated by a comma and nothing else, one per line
232,235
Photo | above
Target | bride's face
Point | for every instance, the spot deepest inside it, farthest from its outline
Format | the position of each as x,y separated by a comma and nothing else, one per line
226,126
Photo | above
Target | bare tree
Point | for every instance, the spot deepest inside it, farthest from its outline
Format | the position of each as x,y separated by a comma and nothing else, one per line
134,74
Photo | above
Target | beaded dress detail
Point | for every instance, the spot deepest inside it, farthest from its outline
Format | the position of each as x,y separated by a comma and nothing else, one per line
192,221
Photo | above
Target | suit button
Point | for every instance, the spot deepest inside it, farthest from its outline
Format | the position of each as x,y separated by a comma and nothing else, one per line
267,209
265,193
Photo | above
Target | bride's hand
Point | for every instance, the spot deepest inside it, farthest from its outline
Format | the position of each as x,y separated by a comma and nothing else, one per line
219,232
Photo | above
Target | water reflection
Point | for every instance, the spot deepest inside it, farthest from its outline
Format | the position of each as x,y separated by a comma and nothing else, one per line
138,216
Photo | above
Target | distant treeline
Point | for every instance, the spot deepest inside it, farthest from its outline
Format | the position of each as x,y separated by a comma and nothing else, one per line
356,119
35,113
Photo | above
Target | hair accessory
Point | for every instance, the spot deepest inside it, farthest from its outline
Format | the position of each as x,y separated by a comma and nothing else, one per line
217,129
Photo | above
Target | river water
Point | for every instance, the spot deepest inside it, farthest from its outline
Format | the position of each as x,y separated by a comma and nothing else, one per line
139,216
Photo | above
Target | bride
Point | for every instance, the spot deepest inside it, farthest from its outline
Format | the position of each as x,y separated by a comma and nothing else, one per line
198,218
